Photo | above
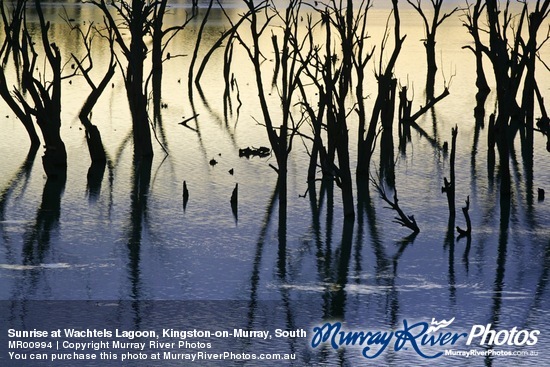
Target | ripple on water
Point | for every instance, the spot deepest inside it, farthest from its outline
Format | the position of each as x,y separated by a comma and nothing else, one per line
32,267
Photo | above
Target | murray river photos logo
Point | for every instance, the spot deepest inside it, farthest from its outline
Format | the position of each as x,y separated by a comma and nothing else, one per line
428,340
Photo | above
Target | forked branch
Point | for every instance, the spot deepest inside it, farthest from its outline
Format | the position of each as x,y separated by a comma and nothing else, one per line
468,230
402,219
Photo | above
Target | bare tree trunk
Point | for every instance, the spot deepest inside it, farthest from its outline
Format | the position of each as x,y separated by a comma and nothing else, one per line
139,17
472,24
93,137
24,115
449,185
47,106
530,50
429,45
134,82
384,78
156,57
196,50
430,29
281,141
387,169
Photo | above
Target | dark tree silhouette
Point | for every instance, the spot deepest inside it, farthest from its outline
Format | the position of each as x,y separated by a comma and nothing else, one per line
337,77
384,105
465,210
402,219
530,49
360,58
450,184
12,30
330,70
471,15
23,114
513,60
196,49
430,29
84,65
40,98
280,137
161,38
138,17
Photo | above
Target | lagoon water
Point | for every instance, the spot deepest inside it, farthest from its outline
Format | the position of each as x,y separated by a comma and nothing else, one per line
129,242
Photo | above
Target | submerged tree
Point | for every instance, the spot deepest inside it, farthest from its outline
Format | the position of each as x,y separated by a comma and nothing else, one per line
430,29
280,137
513,60
13,25
472,13
335,60
161,38
531,48
135,17
337,74
384,105
39,95
84,65
140,18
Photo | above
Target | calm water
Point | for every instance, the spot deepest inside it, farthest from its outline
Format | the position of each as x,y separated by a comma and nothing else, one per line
103,246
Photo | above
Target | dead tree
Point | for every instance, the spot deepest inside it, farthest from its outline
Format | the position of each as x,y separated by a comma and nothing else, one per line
404,113
337,73
507,72
197,46
160,39
44,96
230,33
465,211
449,185
84,65
402,219
430,29
281,137
12,30
360,59
314,108
510,56
21,110
471,15
531,49
385,99
137,17
330,69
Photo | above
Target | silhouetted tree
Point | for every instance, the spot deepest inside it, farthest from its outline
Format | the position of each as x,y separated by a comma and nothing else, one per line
402,219
510,66
430,30
23,114
41,98
450,184
161,38
12,29
84,64
360,58
384,104
138,17
471,15
280,137
330,69
337,77
530,51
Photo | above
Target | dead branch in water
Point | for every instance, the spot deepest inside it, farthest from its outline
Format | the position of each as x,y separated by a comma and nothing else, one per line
468,230
403,219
